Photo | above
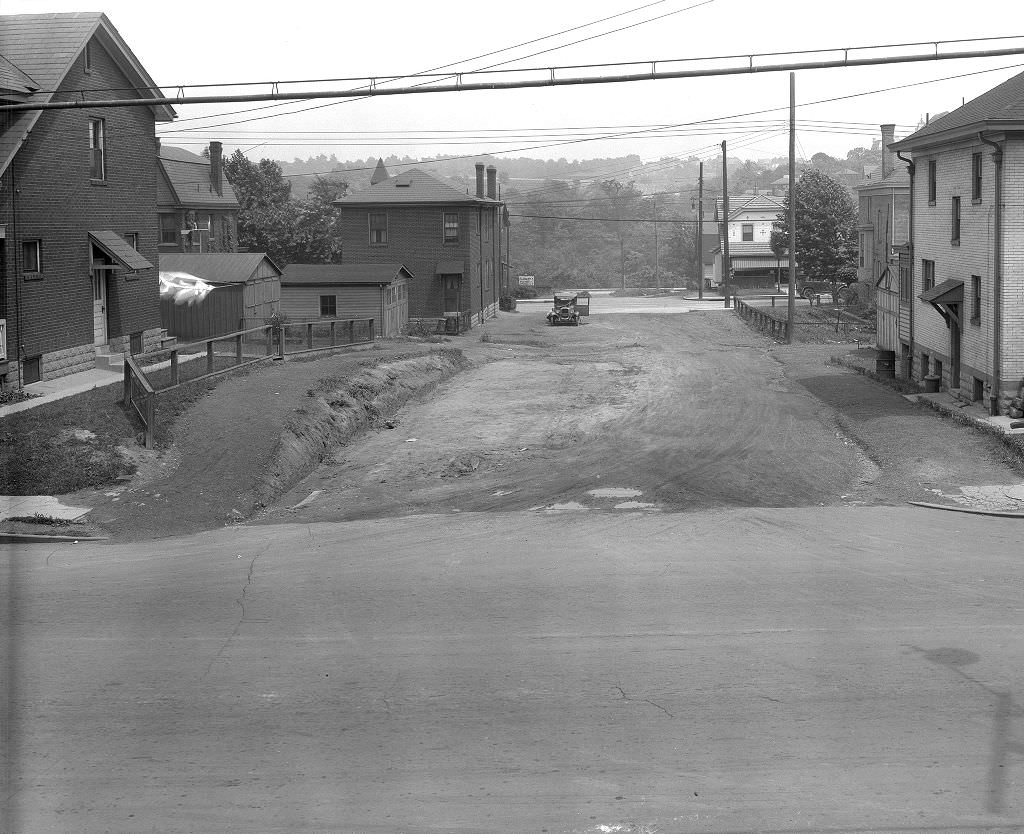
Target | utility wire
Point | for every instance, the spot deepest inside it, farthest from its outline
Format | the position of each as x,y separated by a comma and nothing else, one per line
463,61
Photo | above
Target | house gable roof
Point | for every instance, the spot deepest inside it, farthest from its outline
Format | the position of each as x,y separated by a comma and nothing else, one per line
43,48
216,267
1003,103
411,188
188,175
353,274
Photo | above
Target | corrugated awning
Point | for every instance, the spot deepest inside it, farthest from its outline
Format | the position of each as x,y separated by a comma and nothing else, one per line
740,262
948,292
450,268
119,250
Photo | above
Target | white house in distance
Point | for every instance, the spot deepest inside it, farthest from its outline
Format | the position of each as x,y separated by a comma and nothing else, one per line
750,229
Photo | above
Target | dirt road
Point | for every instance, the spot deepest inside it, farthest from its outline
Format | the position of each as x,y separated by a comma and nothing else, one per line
651,412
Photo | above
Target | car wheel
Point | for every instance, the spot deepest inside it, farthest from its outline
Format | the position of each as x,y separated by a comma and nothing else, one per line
808,293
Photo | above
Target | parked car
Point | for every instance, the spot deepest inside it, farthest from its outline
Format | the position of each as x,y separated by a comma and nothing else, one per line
564,309
809,289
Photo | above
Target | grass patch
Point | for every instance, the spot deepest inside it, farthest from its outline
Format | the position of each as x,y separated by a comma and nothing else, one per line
10,396
71,444
43,520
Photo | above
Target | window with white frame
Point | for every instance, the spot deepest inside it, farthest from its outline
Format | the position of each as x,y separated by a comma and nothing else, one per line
748,232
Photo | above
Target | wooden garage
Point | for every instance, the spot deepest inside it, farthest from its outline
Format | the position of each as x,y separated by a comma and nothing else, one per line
248,292
344,291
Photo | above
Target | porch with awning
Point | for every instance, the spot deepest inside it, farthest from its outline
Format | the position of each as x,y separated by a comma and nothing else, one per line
120,252
946,298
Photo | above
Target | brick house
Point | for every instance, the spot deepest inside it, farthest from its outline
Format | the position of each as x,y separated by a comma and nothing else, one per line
965,282
77,198
448,241
197,208
883,227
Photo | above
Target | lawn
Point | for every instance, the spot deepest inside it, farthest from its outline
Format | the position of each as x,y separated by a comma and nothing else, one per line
72,443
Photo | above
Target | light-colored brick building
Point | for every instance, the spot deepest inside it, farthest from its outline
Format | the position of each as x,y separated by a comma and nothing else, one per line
450,242
964,299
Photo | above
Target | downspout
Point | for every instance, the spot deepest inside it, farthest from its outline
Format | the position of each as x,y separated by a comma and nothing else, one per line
19,348
480,261
997,276
911,168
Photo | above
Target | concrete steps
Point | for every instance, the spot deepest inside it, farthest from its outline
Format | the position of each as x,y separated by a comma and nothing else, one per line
107,361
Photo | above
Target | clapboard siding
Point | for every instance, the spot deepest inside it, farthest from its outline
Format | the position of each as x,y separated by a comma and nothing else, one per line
353,302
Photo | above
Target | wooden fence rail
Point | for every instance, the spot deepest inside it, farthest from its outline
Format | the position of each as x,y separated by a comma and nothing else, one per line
762,319
142,384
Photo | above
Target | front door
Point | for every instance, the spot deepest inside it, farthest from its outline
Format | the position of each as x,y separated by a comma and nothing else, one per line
452,285
954,346
99,306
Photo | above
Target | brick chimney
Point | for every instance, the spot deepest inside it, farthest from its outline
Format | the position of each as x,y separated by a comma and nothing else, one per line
479,179
217,168
888,137
492,182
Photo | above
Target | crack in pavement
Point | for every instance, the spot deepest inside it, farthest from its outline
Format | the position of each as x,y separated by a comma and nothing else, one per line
625,697
240,602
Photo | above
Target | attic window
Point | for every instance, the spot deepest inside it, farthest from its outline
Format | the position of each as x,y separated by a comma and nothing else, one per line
403,180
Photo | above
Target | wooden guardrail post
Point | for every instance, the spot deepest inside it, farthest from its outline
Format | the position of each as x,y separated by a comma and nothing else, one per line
209,356
150,420
238,349
334,340
309,335
280,342
372,330
126,388
350,329
174,367
270,340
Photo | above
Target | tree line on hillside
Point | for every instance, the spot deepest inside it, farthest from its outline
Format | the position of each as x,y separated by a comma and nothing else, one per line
570,231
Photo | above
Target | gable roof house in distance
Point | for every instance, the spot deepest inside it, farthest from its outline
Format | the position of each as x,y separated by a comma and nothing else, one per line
963,326
77,199
450,241
197,206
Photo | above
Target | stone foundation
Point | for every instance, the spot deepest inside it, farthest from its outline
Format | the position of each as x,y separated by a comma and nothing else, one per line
67,361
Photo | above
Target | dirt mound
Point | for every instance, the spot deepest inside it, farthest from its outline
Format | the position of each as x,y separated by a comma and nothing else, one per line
339,408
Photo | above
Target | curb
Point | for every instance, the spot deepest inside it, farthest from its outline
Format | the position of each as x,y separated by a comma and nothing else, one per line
44,538
969,510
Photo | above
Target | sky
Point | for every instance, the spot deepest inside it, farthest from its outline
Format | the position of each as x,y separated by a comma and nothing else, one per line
229,42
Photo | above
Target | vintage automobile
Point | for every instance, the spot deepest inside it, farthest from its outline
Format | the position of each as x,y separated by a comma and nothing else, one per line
565,309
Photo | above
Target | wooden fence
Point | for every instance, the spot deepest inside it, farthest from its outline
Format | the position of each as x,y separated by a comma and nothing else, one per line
220,312
763,319
230,352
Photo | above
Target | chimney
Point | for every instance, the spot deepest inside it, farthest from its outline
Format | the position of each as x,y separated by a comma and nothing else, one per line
217,167
479,179
492,182
888,137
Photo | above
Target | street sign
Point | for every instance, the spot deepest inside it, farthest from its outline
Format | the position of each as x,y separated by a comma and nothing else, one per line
526,280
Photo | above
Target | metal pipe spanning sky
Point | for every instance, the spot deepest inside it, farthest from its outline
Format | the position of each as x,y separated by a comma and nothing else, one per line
651,74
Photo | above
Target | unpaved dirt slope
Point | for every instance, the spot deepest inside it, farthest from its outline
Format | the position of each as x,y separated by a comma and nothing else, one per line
654,413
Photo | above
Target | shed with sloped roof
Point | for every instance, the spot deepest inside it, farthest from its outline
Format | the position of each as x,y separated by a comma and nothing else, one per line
377,291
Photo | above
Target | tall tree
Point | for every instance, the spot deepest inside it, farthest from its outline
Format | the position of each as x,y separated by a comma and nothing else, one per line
622,197
826,229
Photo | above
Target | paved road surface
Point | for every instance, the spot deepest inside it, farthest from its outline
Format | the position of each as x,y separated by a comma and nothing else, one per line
777,670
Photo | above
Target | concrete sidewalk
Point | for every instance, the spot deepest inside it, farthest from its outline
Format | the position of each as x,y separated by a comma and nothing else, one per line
25,506
65,386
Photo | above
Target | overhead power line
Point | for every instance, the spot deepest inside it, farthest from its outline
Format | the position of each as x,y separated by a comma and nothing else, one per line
550,79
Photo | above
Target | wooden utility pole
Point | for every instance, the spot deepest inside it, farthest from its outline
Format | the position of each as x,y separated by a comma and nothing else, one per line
726,262
657,268
700,233
791,305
